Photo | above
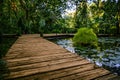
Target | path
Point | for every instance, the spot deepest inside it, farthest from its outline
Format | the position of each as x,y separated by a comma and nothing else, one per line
34,58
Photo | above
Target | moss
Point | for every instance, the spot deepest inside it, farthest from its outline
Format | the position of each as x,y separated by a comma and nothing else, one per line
85,37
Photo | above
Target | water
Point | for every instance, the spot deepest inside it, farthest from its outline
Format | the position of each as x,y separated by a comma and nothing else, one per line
106,55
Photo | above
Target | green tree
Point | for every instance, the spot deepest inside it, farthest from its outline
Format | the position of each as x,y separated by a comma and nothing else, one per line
96,13
30,12
81,15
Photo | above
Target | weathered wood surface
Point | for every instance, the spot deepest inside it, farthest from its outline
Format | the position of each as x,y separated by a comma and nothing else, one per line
72,34
34,58
58,35
10,35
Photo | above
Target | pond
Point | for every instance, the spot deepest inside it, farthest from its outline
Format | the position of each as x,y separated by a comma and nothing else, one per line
106,55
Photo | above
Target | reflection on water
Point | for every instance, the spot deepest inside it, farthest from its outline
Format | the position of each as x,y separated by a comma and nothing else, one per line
106,55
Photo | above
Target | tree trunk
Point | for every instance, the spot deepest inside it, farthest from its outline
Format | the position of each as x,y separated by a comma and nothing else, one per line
118,18
1,37
41,34
1,10
117,28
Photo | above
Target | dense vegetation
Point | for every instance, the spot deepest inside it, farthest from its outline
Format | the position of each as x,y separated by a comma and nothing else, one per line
31,16
102,15
46,16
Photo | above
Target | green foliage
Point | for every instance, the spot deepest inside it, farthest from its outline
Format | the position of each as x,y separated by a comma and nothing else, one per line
99,15
81,16
27,16
85,36
5,45
3,69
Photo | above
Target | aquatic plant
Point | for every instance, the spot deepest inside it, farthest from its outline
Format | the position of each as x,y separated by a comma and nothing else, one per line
85,37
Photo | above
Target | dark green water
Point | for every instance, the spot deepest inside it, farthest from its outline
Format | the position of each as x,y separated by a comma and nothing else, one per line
106,55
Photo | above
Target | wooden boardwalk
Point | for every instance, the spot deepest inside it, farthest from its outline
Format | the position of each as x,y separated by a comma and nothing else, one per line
34,58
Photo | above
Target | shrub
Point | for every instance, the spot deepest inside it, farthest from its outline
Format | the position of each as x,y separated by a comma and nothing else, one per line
85,37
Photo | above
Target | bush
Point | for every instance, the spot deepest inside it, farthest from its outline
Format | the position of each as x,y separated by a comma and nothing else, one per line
85,37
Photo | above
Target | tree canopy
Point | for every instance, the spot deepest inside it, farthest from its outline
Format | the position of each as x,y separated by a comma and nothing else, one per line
35,16
27,15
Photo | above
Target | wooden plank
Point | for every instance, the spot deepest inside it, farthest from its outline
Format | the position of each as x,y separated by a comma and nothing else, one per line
81,75
22,51
69,72
94,75
10,35
57,35
47,74
24,54
46,69
42,64
37,59
37,43
106,77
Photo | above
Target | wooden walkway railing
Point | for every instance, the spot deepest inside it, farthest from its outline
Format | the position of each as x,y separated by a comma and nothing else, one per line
34,58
